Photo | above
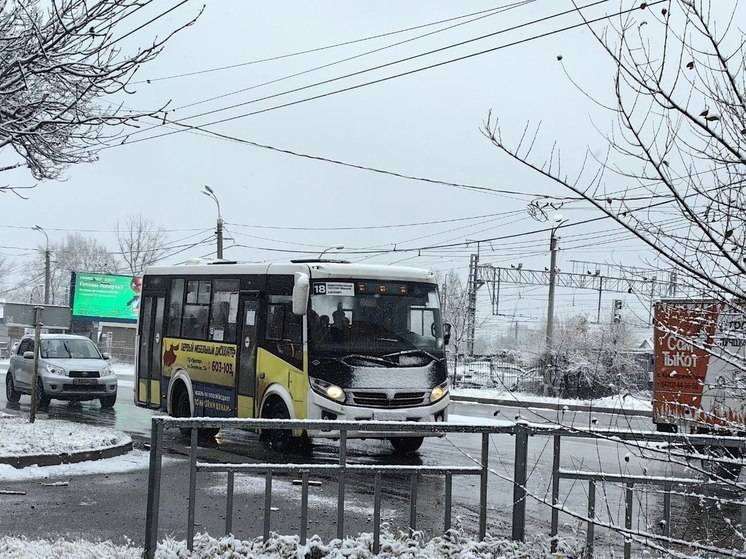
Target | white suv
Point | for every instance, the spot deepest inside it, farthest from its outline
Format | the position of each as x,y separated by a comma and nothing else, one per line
70,368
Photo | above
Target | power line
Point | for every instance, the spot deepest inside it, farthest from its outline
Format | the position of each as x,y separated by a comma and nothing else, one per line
491,13
392,63
312,50
378,170
79,230
369,227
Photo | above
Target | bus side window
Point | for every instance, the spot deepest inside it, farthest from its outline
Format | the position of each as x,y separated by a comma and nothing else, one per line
284,329
176,302
275,319
224,310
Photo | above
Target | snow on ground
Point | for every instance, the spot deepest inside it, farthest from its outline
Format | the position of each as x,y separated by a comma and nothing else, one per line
130,462
637,402
18,437
21,548
473,420
125,373
247,485
282,547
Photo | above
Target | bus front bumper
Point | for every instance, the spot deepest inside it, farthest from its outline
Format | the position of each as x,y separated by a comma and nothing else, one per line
321,408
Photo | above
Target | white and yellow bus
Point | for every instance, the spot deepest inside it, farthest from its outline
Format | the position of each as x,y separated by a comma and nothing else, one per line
306,339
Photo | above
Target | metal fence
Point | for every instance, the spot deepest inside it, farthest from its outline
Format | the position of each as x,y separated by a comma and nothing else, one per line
489,371
521,432
492,372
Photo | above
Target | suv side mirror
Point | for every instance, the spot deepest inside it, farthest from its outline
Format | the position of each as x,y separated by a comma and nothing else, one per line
301,289
28,354
106,356
446,332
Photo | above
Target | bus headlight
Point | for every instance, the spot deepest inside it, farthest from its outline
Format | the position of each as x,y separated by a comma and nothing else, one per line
329,390
334,392
438,392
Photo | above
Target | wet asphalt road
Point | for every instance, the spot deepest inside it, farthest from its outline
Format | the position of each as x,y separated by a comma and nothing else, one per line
112,506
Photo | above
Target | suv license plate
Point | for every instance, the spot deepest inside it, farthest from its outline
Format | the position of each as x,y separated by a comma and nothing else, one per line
388,416
85,381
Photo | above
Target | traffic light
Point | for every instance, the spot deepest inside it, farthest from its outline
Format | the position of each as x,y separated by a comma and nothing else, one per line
616,313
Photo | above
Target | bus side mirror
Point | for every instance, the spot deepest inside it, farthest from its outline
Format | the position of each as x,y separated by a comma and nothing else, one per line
446,333
300,293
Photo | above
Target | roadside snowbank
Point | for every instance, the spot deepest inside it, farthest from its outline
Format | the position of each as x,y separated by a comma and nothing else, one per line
18,437
636,402
130,462
282,547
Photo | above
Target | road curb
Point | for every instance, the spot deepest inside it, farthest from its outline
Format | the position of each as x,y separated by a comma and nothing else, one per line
514,403
67,457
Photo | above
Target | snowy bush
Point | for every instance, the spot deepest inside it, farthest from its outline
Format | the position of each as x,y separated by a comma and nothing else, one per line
450,545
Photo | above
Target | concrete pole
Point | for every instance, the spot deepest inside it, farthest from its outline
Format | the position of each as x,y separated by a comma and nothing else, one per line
35,375
47,275
219,232
550,302
549,342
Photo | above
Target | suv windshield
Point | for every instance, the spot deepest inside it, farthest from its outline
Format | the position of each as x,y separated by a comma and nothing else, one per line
368,317
69,349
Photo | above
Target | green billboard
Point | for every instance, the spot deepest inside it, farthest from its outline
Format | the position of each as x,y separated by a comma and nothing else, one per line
105,297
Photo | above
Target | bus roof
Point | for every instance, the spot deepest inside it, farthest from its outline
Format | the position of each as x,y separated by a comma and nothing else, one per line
317,270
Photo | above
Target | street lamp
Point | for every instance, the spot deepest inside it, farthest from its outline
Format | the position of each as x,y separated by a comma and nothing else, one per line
210,193
46,263
323,252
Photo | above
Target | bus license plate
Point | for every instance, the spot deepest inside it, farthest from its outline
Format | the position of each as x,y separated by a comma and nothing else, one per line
85,381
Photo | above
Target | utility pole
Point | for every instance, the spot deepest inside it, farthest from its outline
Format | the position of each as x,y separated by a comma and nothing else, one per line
47,263
219,233
471,311
35,375
47,275
550,304
210,193
552,280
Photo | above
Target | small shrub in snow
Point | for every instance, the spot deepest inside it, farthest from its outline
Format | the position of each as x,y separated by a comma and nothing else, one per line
22,548
452,545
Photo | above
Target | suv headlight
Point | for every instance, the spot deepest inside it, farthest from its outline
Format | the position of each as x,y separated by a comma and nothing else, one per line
54,370
328,390
107,371
438,392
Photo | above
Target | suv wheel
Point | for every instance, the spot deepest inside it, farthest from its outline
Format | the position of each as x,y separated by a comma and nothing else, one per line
11,394
42,399
108,401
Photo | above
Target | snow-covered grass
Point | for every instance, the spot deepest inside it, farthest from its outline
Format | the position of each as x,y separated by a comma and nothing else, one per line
130,462
638,402
18,437
21,548
283,547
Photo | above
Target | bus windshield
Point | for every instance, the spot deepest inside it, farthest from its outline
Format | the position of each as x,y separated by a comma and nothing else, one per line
374,318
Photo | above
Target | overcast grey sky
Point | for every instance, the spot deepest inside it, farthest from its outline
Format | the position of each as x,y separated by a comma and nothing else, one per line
425,124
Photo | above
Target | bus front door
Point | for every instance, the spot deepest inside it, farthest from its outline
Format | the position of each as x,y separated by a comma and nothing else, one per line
247,341
149,352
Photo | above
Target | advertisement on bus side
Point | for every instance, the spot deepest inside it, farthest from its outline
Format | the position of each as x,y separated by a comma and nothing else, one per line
212,369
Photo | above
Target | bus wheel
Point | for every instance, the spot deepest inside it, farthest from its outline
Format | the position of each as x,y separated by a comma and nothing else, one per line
406,445
278,439
181,408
